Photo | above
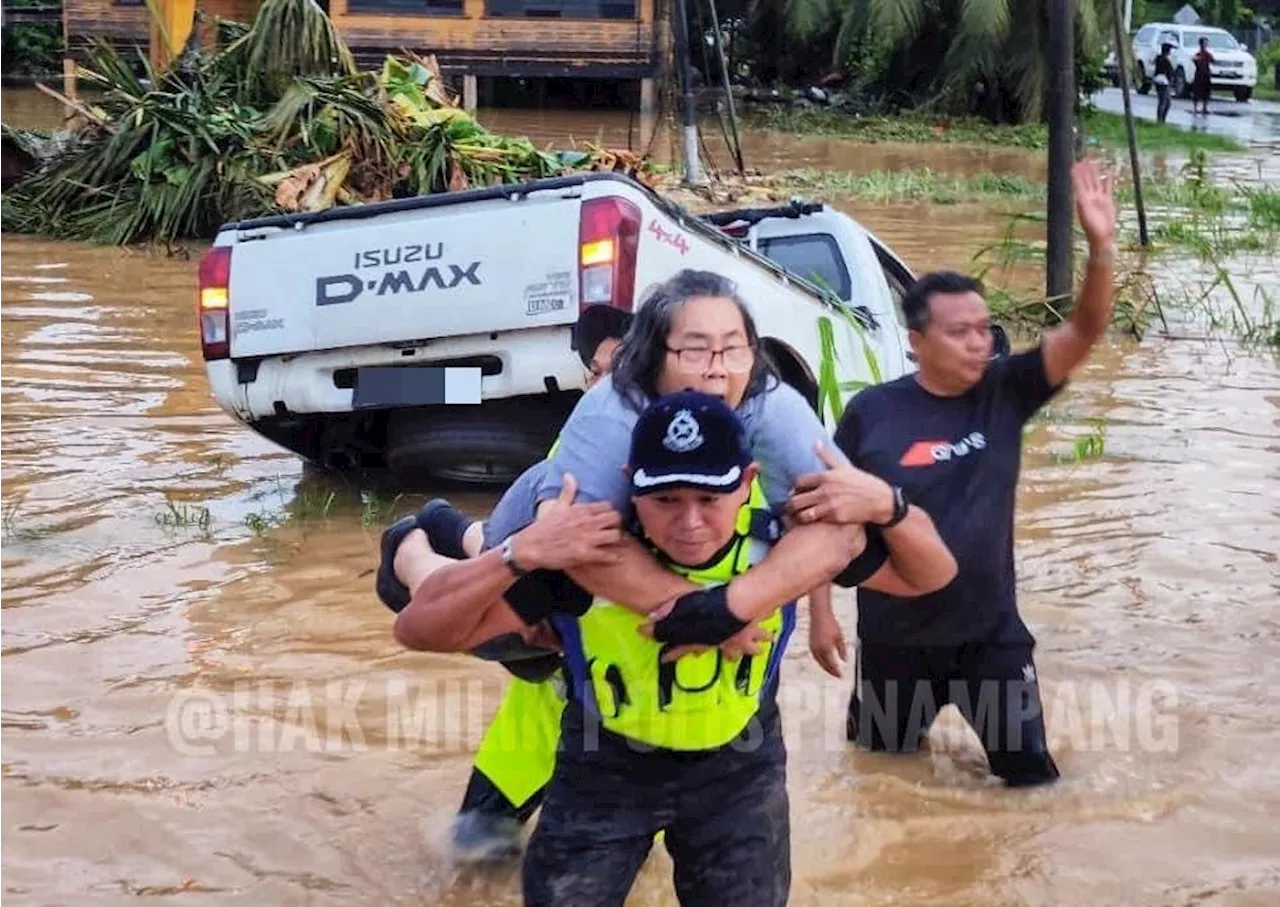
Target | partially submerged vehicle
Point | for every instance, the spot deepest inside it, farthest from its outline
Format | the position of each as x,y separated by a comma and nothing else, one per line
433,335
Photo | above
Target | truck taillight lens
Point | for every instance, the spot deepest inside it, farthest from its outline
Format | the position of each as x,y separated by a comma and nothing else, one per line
608,240
214,289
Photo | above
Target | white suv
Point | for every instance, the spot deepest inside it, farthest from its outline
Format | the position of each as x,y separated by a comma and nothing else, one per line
1234,69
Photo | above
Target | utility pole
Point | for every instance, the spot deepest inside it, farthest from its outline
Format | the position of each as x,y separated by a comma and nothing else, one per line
1061,111
728,89
1122,62
693,175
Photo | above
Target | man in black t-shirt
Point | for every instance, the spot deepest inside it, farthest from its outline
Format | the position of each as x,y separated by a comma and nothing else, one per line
950,436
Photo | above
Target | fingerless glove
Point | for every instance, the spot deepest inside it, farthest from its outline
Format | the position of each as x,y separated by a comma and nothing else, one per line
541,593
699,618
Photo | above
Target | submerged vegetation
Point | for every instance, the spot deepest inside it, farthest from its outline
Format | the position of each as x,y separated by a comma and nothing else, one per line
1197,226
1195,268
1105,129
1258,205
278,119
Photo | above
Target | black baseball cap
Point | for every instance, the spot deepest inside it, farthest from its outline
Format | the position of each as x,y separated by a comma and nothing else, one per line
688,440
596,324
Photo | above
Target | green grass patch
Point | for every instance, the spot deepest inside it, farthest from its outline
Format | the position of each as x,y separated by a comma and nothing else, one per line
909,185
913,128
1106,129
1257,206
1264,206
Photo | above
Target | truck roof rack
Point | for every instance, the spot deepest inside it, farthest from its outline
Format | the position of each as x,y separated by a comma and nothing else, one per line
751,216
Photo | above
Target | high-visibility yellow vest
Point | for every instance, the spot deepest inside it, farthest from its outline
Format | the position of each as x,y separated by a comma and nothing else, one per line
701,701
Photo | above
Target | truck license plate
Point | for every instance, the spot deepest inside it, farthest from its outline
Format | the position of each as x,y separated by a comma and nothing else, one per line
383,387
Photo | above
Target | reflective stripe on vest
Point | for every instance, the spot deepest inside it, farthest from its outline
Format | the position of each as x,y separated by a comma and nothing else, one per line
701,701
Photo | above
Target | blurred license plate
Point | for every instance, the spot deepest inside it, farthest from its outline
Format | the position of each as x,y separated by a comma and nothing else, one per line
383,387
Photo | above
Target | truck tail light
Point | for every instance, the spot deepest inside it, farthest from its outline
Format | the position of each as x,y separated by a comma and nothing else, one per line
608,240
214,289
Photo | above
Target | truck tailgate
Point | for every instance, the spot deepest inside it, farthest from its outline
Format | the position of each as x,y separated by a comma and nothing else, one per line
477,267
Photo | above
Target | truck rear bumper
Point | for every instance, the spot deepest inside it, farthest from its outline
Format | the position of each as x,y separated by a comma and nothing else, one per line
520,363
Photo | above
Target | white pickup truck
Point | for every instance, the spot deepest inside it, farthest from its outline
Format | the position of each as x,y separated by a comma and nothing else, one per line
431,336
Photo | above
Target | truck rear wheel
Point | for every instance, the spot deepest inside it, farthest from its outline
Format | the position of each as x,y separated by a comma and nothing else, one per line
489,444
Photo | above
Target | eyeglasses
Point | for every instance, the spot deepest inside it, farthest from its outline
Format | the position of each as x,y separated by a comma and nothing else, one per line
737,359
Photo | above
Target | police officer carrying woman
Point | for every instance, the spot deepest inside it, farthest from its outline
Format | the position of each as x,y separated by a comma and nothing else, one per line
693,331
691,746
655,736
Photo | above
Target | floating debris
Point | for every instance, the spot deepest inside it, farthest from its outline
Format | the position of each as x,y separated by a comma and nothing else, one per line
276,120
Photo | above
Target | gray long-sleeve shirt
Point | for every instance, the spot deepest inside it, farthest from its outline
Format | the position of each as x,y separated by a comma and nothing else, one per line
782,431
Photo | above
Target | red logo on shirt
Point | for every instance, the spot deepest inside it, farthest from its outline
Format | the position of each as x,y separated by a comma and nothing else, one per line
927,453
920,454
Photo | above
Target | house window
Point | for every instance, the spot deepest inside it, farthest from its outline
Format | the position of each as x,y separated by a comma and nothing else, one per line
412,7
563,9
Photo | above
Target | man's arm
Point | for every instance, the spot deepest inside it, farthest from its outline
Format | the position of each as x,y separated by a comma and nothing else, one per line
456,605
1066,346
919,561
805,557
912,559
638,581
913,543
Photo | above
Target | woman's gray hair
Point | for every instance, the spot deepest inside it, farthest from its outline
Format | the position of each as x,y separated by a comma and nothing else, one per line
639,358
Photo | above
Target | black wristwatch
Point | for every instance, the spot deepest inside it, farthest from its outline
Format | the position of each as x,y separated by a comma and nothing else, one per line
900,505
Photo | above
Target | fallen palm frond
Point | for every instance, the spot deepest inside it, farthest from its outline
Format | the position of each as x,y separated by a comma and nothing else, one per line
277,120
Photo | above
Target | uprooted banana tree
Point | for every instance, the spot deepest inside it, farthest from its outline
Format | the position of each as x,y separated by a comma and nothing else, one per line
277,119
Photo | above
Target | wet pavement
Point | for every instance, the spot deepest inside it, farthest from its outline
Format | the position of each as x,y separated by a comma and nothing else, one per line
202,700
1252,122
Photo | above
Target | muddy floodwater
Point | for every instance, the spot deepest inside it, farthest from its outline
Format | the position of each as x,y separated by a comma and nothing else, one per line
202,698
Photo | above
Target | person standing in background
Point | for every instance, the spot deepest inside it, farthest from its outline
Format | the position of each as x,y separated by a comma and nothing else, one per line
1201,86
950,436
1163,76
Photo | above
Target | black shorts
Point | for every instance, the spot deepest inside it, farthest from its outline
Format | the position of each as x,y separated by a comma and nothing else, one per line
726,818
899,690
